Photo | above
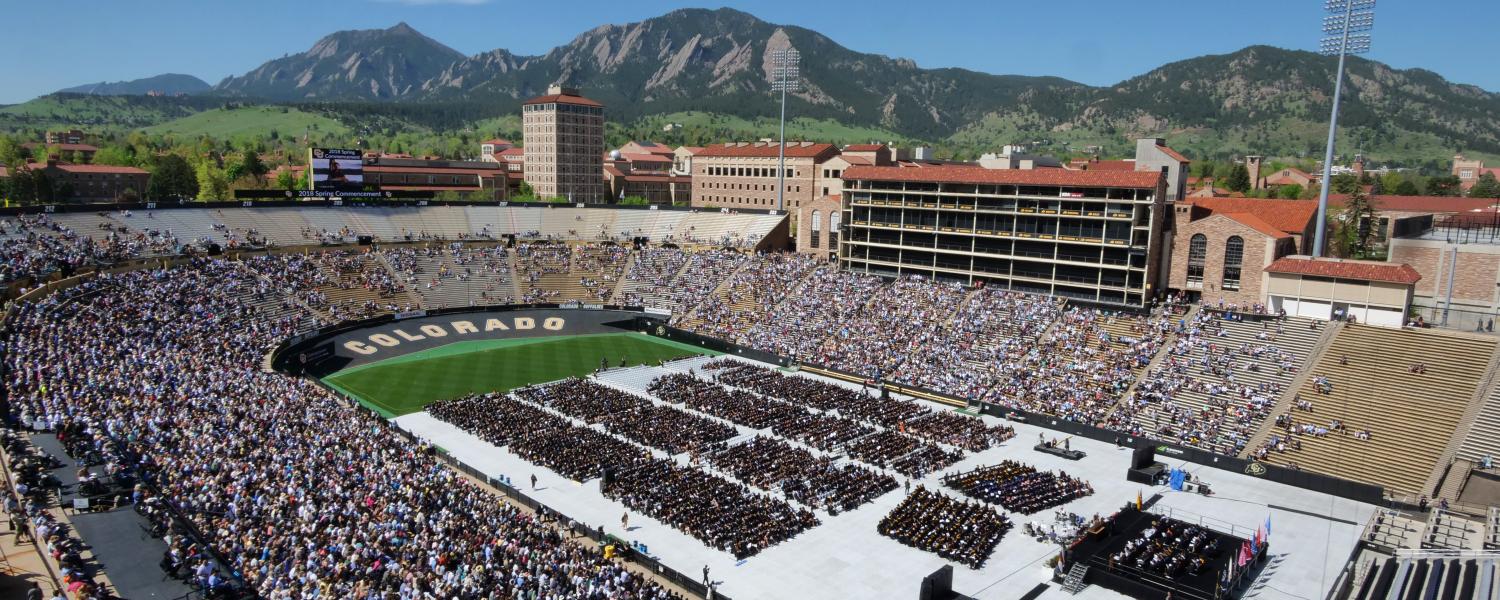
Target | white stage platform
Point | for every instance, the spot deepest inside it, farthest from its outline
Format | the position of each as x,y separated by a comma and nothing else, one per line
844,557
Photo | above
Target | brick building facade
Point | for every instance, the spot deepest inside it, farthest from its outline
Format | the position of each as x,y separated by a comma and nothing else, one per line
744,174
93,183
1220,247
817,226
564,146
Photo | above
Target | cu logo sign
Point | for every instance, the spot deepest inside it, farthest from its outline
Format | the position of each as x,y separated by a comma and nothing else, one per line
1256,469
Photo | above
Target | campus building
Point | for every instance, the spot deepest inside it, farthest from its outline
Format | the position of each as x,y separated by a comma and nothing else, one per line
645,170
92,183
1469,171
1221,246
474,179
1092,235
564,146
744,174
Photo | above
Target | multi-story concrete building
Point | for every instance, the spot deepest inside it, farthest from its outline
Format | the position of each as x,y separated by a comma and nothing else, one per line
1089,235
564,146
744,174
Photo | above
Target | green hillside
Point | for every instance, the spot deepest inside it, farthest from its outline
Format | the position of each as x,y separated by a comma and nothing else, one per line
697,128
55,111
250,121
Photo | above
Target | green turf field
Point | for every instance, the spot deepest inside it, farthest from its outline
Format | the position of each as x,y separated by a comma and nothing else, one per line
405,384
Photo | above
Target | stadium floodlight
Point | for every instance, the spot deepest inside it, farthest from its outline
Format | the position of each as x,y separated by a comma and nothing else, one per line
784,78
1347,28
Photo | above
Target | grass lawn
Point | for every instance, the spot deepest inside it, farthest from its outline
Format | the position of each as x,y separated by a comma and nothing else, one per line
405,384
250,121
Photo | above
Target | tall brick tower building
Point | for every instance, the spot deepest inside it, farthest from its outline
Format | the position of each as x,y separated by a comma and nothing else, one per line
564,146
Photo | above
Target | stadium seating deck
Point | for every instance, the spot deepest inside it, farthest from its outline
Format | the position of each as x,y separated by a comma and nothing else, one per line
748,295
1483,436
1409,416
1219,382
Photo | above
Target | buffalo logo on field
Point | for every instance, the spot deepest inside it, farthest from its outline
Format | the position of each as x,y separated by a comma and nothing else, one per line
661,330
1256,469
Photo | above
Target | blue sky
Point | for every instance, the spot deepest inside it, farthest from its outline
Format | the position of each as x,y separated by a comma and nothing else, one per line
60,43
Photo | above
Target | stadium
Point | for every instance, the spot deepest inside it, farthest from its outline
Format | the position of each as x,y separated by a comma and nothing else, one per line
466,400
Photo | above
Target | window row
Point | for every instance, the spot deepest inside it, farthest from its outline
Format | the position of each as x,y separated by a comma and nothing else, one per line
745,171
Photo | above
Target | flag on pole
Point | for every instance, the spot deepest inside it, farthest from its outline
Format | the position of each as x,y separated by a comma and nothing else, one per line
1268,526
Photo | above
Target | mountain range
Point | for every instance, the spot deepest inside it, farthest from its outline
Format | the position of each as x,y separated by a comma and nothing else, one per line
169,84
1260,99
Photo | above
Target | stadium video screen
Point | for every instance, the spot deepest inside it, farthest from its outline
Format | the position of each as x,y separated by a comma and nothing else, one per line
337,170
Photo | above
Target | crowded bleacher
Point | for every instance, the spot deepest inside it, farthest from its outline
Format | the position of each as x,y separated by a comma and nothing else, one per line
162,368
1219,380
180,394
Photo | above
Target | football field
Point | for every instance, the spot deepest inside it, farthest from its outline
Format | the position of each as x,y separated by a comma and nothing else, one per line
405,384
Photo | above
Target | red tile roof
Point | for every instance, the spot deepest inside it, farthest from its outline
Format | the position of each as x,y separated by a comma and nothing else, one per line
1434,204
1290,216
513,151
642,157
1177,156
1257,224
1346,269
693,149
498,142
864,147
562,99
106,169
793,150
647,177
976,174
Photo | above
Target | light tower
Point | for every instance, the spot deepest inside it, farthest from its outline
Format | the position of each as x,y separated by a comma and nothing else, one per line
784,79
1347,27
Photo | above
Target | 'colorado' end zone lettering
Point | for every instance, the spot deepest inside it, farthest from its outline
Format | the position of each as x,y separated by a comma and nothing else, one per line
489,328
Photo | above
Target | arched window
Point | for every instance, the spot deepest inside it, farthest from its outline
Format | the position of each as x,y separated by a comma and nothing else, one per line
834,220
1197,253
817,227
1234,255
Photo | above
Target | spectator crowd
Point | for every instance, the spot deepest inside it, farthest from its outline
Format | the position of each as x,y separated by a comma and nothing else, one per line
304,496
